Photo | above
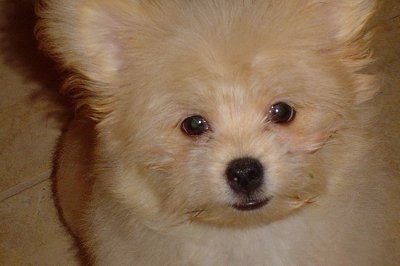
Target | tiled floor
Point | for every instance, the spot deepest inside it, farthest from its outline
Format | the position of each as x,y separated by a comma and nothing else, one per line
32,116
30,232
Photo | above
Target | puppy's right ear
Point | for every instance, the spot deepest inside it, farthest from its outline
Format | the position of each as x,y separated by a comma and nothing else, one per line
84,36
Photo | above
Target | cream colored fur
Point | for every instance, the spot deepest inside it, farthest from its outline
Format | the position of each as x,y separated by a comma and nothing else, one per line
134,190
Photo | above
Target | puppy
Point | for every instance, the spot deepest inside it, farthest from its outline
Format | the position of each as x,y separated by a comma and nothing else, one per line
221,132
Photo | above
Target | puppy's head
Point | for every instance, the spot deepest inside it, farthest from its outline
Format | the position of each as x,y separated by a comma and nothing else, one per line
225,112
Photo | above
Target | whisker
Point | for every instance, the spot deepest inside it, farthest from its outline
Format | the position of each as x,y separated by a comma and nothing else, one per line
194,214
297,201
189,216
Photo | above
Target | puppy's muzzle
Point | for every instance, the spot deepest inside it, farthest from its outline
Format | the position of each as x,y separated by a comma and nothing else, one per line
245,175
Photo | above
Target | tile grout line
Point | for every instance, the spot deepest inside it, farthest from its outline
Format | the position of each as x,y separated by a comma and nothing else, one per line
15,190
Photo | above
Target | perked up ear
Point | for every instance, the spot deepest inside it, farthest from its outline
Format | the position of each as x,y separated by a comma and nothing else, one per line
83,35
349,19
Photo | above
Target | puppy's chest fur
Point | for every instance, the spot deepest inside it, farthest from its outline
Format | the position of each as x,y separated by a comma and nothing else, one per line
306,239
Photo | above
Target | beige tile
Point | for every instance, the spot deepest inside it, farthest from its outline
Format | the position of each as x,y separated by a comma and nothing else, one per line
30,233
31,116
30,109
27,140
387,47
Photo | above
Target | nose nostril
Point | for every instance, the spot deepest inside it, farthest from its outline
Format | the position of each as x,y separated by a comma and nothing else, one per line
245,175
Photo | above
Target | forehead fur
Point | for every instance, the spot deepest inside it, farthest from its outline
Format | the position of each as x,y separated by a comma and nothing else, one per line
221,33
111,45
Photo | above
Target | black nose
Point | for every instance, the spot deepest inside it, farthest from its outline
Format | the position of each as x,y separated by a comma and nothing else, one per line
245,175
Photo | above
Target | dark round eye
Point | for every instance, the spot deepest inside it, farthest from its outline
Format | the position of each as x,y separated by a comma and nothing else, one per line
194,125
281,113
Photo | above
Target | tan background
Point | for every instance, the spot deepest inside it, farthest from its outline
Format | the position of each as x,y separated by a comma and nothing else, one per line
32,116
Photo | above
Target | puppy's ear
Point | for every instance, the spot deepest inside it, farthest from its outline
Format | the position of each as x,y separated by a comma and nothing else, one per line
350,17
85,37
352,35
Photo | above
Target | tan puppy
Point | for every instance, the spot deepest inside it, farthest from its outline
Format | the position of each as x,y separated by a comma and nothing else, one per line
221,132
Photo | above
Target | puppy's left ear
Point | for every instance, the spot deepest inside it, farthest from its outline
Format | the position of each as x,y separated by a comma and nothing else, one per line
352,35
350,17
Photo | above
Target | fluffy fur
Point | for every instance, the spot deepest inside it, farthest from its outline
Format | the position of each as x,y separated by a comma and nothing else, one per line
135,190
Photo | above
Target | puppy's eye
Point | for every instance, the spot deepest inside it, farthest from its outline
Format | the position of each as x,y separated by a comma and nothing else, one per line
194,125
281,113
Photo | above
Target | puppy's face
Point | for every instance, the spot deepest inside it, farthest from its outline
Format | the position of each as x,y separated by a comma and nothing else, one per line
225,113
234,147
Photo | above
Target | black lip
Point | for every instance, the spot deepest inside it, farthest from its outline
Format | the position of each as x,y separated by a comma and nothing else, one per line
251,205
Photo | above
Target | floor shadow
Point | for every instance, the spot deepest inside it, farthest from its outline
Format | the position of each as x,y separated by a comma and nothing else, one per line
20,52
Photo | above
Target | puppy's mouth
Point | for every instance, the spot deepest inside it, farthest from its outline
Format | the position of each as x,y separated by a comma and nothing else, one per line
251,204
